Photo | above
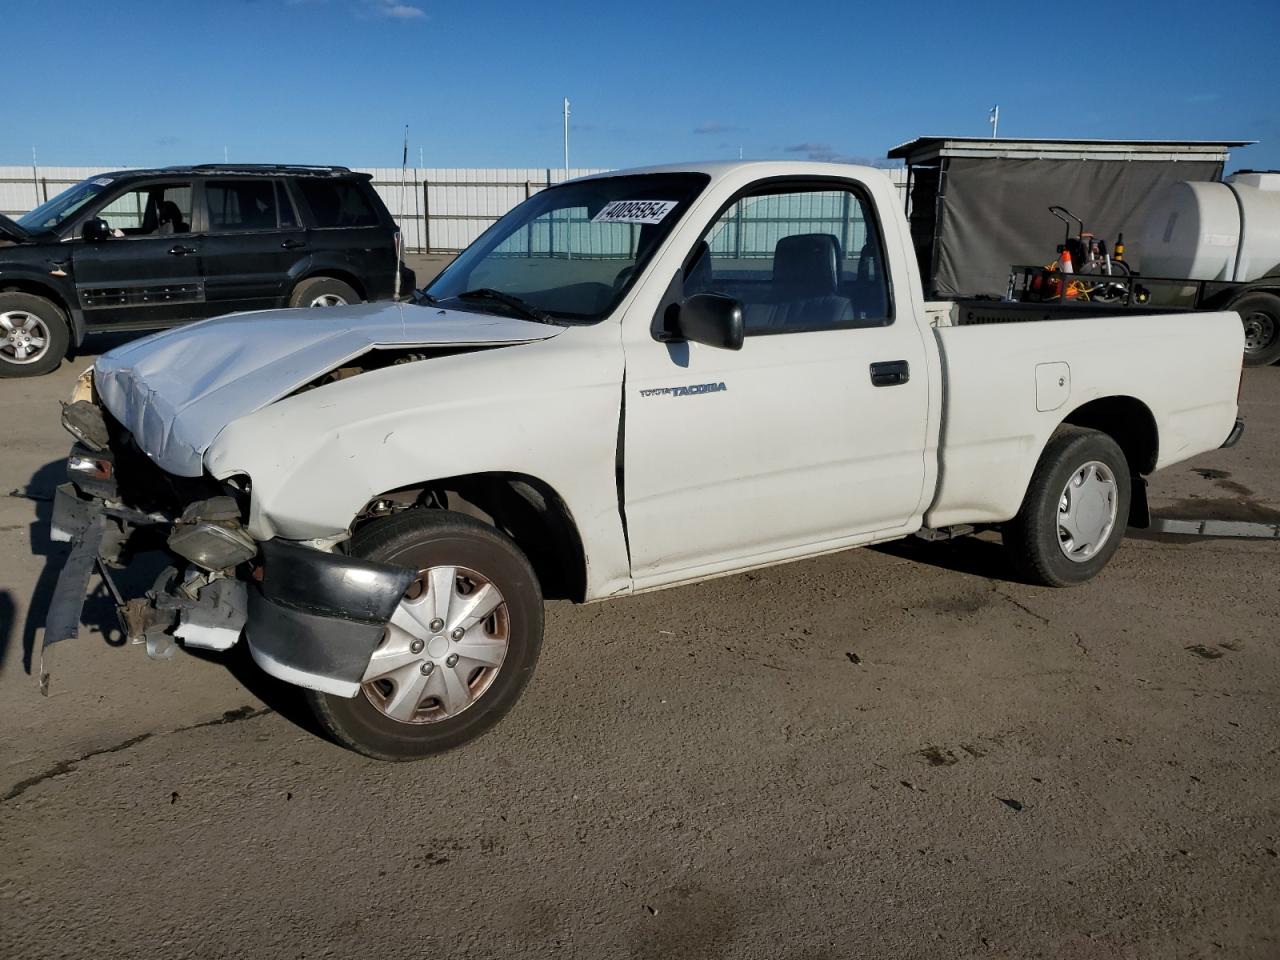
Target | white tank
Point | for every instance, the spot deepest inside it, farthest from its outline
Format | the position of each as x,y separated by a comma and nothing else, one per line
1212,231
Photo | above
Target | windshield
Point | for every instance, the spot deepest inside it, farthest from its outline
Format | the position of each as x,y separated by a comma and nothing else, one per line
570,252
53,213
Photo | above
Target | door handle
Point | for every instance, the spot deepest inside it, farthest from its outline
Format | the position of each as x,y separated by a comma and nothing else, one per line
293,244
890,373
178,250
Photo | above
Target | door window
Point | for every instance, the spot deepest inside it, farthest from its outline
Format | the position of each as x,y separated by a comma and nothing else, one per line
241,205
337,203
158,209
798,260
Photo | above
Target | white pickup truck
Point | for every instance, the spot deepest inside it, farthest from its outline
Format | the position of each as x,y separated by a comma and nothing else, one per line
631,381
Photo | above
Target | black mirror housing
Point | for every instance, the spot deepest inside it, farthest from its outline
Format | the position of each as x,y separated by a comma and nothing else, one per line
96,230
712,319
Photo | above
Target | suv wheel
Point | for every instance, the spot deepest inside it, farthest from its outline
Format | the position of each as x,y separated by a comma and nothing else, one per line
33,335
323,292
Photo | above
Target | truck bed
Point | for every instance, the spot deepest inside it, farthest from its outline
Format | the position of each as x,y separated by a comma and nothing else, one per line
967,312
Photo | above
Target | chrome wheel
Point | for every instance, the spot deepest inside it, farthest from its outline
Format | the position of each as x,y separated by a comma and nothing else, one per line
24,338
328,300
1087,511
442,649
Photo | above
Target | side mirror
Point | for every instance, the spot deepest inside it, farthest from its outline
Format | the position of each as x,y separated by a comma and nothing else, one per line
96,230
713,319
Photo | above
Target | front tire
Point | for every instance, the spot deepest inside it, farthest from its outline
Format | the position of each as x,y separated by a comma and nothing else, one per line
34,335
460,648
1075,511
323,292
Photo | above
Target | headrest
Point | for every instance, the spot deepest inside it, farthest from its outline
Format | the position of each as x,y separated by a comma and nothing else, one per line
807,265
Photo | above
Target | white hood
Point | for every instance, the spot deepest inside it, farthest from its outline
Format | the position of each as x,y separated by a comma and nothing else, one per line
176,390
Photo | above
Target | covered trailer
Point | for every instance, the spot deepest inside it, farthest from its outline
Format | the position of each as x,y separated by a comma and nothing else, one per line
976,206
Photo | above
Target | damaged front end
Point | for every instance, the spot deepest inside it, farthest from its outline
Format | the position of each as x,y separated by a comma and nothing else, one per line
311,617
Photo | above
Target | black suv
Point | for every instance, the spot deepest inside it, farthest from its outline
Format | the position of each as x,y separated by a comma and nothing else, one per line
142,249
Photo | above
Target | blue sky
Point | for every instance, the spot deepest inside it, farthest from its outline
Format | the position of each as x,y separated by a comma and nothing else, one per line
134,82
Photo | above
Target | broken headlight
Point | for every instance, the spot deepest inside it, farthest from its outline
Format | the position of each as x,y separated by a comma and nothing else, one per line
209,535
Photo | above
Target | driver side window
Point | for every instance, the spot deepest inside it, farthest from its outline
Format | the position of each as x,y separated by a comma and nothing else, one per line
154,210
797,259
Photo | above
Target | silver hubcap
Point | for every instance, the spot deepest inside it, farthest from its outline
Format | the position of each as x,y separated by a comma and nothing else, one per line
328,300
23,337
1087,511
442,649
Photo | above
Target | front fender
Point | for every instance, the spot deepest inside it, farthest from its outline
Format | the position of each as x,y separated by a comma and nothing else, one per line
548,410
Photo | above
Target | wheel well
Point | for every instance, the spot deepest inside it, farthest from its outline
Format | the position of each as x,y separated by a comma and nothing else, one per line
525,508
20,285
1130,424
349,279
1127,421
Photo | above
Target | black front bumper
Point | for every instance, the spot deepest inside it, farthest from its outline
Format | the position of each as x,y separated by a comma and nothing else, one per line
311,617
317,617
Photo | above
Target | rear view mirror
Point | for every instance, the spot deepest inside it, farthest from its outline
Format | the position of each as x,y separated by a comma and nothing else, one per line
96,230
713,319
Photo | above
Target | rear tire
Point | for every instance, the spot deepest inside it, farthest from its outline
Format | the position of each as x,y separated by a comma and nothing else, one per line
34,335
323,292
437,540
1075,511
1260,313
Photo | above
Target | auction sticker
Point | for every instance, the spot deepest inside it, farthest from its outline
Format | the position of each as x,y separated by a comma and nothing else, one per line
634,211
103,182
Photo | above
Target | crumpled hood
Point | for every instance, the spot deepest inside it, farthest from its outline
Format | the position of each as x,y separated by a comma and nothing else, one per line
176,390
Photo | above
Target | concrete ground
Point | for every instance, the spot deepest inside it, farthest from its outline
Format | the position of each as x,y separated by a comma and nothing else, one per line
890,752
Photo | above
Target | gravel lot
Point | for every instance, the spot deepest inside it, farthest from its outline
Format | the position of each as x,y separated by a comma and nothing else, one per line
884,753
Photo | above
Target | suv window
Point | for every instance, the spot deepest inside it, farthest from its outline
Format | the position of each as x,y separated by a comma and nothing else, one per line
797,259
157,209
337,203
241,204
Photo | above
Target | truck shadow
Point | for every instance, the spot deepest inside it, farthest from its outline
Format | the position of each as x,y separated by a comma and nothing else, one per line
972,555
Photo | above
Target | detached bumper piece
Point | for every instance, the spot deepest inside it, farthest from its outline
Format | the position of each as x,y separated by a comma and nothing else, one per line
317,617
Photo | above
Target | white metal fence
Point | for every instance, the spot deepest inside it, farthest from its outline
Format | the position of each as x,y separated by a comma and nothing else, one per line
438,209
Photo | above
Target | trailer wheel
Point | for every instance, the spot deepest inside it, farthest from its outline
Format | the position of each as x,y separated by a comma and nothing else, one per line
1260,313
1075,510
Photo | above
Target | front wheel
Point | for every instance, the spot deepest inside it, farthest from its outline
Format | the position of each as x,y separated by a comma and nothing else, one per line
460,648
1075,511
34,335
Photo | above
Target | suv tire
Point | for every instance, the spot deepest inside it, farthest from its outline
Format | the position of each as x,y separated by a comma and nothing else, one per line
323,292
34,335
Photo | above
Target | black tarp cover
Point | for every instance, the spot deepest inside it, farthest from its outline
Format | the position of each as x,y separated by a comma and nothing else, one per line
995,212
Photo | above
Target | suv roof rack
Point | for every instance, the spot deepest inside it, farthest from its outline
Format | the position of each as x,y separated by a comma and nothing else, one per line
270,167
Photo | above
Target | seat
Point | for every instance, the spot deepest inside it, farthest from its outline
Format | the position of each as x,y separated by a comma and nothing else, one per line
804,293
170,219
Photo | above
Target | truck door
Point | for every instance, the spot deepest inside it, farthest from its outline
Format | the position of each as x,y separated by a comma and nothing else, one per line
148,272
814,432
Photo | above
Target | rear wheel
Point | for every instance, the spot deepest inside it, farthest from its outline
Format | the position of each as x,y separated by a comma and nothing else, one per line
1260,314
323,292
1075,510
459,649
34,335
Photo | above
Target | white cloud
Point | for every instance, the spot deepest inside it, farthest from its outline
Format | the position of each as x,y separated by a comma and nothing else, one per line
397,11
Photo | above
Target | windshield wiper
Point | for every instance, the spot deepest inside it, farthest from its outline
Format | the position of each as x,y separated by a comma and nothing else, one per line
421,296
522,307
